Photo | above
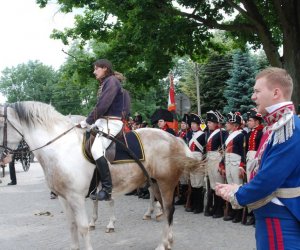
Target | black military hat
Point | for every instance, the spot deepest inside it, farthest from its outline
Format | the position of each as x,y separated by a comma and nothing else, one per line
214,116
235,118
161,114
138,119
186,119
196,118
254,114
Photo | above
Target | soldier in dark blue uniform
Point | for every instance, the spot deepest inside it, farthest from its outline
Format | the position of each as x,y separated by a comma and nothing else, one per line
235,154
196,139
214,147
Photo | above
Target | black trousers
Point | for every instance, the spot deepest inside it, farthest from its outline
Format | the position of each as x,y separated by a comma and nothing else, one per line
12,171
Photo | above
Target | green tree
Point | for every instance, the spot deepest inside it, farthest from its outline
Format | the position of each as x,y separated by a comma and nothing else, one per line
150,32
240,85
31,81
213,74
76,90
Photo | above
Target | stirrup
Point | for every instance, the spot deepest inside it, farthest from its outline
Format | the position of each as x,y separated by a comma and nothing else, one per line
102,195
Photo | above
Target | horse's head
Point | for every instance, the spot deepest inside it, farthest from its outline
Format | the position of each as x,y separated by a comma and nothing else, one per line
10,132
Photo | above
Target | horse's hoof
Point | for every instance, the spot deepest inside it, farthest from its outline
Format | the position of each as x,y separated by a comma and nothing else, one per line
159,217
147,217
160,247
109,230
92,228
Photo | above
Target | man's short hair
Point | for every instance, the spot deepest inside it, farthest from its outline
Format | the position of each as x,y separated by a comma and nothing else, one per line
280,77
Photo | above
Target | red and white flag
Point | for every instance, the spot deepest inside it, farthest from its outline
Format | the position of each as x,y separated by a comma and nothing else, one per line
171,101
172,104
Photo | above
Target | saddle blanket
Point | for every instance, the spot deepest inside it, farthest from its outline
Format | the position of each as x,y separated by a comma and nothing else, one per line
132,141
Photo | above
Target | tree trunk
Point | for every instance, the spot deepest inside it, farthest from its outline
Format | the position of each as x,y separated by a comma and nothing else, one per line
291,45
292,64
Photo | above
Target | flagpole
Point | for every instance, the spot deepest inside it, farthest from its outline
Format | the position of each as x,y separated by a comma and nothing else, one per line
198,88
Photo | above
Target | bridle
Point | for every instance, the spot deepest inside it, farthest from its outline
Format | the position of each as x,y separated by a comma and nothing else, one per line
8,150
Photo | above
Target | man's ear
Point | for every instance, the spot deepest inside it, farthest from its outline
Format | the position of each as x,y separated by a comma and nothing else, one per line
277,93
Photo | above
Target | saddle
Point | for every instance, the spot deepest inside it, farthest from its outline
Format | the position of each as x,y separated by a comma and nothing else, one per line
114,153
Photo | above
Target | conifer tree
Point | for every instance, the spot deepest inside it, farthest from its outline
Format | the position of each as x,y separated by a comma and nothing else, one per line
240,84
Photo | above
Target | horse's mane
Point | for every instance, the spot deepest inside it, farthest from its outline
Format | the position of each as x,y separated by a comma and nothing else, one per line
38,113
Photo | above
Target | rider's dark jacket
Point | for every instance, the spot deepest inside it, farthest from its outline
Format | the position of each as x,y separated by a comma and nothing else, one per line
110,102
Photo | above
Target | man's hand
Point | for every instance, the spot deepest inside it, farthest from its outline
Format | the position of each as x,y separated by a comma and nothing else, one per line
225,190
82,124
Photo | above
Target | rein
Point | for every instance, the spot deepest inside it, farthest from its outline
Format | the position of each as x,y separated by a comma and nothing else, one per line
53,140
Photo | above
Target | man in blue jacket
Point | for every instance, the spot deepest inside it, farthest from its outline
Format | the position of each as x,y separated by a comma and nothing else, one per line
274,192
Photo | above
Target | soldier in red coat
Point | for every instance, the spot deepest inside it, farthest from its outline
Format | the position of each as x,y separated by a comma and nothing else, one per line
253,140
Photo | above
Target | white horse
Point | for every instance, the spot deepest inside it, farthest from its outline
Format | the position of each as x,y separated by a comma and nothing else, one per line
68,173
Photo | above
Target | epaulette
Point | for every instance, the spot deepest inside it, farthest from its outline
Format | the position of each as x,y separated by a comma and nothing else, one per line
283,129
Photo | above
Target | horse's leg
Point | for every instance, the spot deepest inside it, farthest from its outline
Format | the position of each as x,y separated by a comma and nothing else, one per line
111,224
147,215
167,194
72,223
158,211
92,224
158,204
77,204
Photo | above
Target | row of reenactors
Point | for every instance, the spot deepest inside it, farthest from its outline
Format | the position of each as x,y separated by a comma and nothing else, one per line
229,153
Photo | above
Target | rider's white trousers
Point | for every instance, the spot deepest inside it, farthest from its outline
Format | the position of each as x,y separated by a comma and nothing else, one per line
112,127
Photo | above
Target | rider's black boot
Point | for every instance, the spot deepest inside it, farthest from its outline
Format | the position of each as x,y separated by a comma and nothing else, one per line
105,193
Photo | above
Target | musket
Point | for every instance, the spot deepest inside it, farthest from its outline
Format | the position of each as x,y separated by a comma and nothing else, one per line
189,193
245,209
226,211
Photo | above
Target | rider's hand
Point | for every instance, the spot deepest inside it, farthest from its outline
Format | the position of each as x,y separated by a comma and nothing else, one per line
83,124
94,130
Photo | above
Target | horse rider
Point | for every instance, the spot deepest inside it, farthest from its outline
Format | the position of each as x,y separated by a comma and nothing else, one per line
107,116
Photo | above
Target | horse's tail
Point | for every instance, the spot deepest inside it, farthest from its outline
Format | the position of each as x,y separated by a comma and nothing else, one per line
190,161
188,164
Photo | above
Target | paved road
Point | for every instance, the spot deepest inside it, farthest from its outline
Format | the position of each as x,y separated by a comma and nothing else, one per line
22,228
